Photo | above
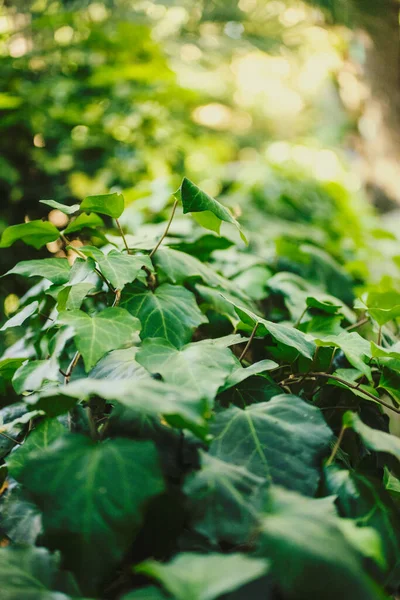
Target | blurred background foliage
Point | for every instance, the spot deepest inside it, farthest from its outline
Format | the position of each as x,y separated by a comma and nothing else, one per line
279,107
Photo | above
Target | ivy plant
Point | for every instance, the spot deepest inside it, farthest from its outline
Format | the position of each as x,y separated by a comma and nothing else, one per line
194,420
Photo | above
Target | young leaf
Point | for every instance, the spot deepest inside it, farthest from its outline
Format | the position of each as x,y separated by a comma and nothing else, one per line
106,204
111,329
67,210
209,213
91,220
95,500
283,440
34,233
241,374
226,500
21,316
204,576
170,312
118,268
200,367
355,348
56,270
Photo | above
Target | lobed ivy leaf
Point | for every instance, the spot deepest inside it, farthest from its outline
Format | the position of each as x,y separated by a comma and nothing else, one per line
170,312
85,505
241,374
21,316
185,575
282,334
118,268
209,213
179,267
226,500
34,233
111,329
119,364
200,367
282,440
382,306
67,210
355,348
29,573
56,270
106,204
91,220
72,296
294,536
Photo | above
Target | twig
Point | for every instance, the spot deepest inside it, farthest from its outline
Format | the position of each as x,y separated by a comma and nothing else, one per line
336,446
379,335
247,346
123,236
358,324
300,318
117,298
71,367
10,438
152,253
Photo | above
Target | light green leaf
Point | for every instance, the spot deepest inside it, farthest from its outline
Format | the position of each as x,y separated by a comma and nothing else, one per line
355,348
204,576
56,270
118,268
226,500
8,366
383,306
72,296
201,367
35,233
119,364
241,374
373,439
179,267
283,440
21,316
87,503
106,204
29,573
295,534
91,220
111,329
170,312
282,334
209,213
67,210
31,376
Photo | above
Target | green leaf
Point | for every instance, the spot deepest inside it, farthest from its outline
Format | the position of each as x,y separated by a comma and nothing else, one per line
31,376
373,439
111,329
201,367
91,220
226,500
21,316
118,268
119,364
209,213
47,432
269,439
106,204
95,501
72,296
185,575
282,334
241,374
355,348
29,573
67,210
181,408
383,306
34,233
56,270
8,366
295,534
148,593
180,267
170,312
251,390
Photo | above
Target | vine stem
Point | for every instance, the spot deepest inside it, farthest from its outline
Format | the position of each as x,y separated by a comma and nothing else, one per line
71,367
247,346
152,253
123,236
358,324
300,318
379,335
10,438
336,447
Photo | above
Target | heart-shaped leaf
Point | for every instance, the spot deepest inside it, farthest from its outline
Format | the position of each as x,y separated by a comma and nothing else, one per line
106,204
34,233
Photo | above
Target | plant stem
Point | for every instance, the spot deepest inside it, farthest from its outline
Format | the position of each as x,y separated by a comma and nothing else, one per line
300,318
123,236
336,447
152,253
10,438
247,346
117,298
71,367
358,324
379,335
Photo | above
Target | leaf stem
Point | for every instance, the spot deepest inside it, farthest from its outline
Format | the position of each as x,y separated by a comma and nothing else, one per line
336,447
10,438
379,335
71,367
123,236
300,318
358,324
247,346
152,253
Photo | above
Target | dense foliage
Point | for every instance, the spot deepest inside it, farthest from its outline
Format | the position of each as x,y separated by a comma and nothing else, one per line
186,416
